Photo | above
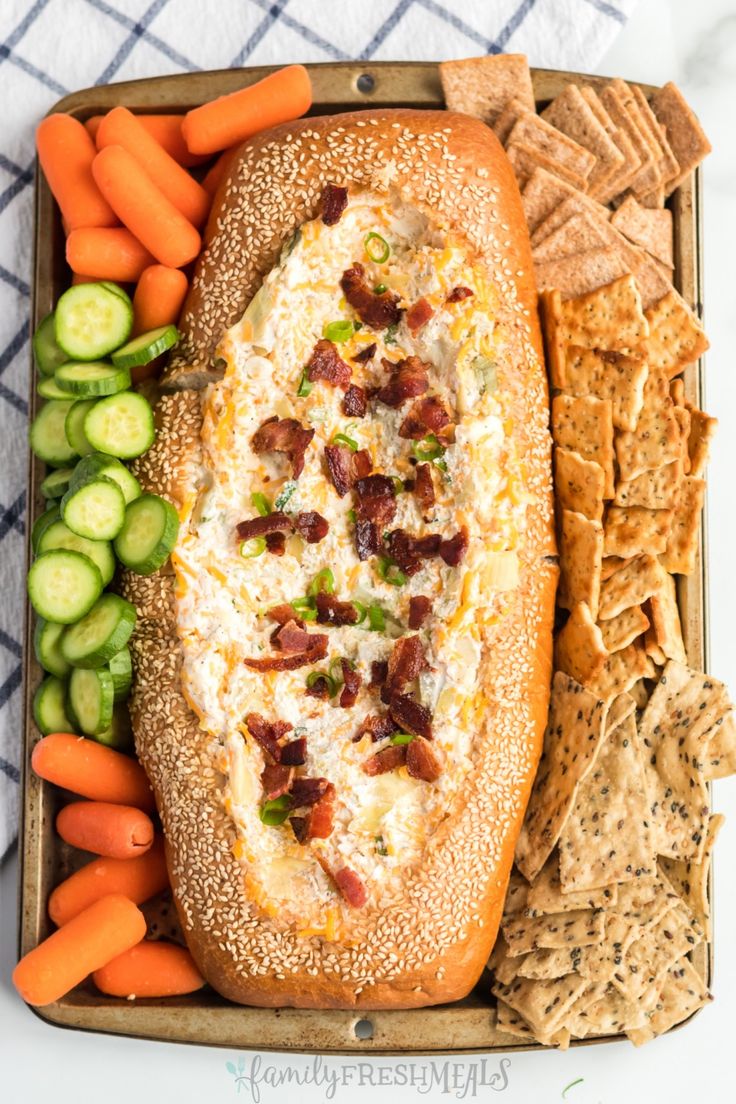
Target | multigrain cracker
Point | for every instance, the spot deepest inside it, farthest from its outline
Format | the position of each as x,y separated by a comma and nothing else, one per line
526,158
702,431
626,114
544,964
575,728
581,273
573,115
620,671
657,489
543,1004
543,192
510,1022
720,749
579,233
631,585
620,631
579,648
684,133
532,130
676,337
546,894
581,552
483,86
657,439
585,425
647,960
681,994
504,967
608,374
504,124
666,620
579,484
579,928
610,1014
689,879
682,545
629,530
647,227
668,166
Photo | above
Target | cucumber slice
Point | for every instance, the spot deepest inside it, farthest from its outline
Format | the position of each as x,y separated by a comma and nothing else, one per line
91,320
95,511
49,708
46,352
63,585
74,426
48,436
42,523
120,733
148,534
121,425
48,388
99,466
121,669
57,483
92,378
91,696
100,635
46,637
59,535
146,347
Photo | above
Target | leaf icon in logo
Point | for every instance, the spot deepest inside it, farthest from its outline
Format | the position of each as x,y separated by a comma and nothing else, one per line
230,1067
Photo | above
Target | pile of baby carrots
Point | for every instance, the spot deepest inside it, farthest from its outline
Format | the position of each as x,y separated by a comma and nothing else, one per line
132,211
131,207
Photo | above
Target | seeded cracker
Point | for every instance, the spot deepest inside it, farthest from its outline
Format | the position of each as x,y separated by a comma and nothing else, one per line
621,670
609,1015
579,928
629,530
546,894
581,552
720,752
585,425
543,965
511,1022
657,489
690,879
682,417
682,993
573,115
684,133
631,585
579,484
610,317
657,439
646,226
641,974
608,374
676,337
612,564
505,968
543,1004
620,631
579,648
581,273
702,431
483,86
666,620
682,545
574,731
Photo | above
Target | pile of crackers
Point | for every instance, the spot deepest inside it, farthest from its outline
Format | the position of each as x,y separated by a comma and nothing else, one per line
609,896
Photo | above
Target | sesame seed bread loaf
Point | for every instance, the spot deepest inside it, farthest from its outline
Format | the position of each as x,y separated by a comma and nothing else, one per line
433,877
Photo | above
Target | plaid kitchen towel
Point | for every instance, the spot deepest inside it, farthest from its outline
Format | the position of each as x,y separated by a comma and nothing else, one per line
51,47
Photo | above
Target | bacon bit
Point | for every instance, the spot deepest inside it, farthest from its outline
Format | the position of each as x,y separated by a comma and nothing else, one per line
312,526
334,202
458,294
407,380
352,680
411,716
355,403
375,499
321,820
453,549
377,726
307,791
365,354
319,689
419,610
367,539
276,544
361,465
300,826
294,754
338,465
291,638
423,417
331,611
379,672
326,364
263,526
285,435
418,315
385,760
351,887
276,780
424,486
377,311
409,551
422,761
318,650
406,662
283,613
267,733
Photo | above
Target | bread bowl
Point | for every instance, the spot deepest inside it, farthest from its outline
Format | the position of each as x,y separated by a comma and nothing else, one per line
263,913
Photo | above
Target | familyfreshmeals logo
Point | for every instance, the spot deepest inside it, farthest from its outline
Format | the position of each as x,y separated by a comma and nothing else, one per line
461,1080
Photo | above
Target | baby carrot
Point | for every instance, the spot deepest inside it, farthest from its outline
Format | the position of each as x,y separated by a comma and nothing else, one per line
106,253
118,831
120,127
150,969
105,930
277,98
158,297
166,129
66,153
82,278
92,770
138,879
143,208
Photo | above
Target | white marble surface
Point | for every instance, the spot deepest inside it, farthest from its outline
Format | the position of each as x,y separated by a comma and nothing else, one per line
694,43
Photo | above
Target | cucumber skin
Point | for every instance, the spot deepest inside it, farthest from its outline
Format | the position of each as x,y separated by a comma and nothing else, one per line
61,668
117,640
65,722
46,353
65,339
98,464
62,457
107,695
146,347
106,562
158,555
92,570
42,523
74,430
117,380
68,500
57,482
112,401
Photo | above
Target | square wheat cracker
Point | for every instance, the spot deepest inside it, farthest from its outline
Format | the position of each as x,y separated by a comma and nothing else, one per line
647,227
585,425
543,192
608,374
526,158
582,272
572,114
629,530
483,86
626,114
533,130
684,132
577,234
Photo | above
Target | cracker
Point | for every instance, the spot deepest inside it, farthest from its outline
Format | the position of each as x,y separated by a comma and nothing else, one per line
610,317
510,1022
544,964
543,1004
517,892
657,489
666,620
629,530
572,114
682,417
631,162
543,192
575,728
575,203
676,337
620,708
577,234
647,227
641,694
684,133
504,967
584,424
620,631
579,928
483,86
626,114
668,166
652,648
620,671
612,564
532,130
608,374
550,316
546,893
610,1014
681,994
649,957
581,552
581,273
682,546
579,648
655,198
652,278
690,879
525,159
702,431
720,751
504,124
631,585
579,484
657,439
606,838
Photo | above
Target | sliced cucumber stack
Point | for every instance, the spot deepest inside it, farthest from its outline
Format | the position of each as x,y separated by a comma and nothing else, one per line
92,379
91,320
59,535
121,425
57,483
48,388
46,636
95,510
49,707
120,733
42,523
48,435
63,585
99,466
74,426
148,534
121,669
46,352
146,347
91,698
98,636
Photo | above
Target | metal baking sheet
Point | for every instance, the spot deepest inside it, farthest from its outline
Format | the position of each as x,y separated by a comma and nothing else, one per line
466,1026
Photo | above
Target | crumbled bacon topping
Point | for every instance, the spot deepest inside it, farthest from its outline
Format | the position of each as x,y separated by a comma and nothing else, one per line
276,544
326,364
319,689
312,526
334,202
425,416
377,726
276,779
355,402
276,522
408,378
419,610
315,648
454,548
366,354
320,821
458,294
345,467
418,315
351,887
422,761
285,435
307,791
379,672
267,733
291,638
385,760
331,611
375,499
406,662
283,613
424,486
376,311
367,539
294,754
409,551
352,680
411,716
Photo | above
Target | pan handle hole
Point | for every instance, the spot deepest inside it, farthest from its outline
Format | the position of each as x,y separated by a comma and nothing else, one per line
363,1029
365,83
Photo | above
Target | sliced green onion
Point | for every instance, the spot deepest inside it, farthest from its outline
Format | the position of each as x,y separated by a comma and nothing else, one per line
285,494
401,738
390,572
389,338
276,811
431,449
305,386
339,331
381,848
324,580
253,547
398,484
379,289
336,671
343,439
362,612
323,676
376,619
351,516
377,247
304,608
261,503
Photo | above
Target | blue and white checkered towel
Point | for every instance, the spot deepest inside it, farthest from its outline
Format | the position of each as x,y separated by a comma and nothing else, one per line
51,47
